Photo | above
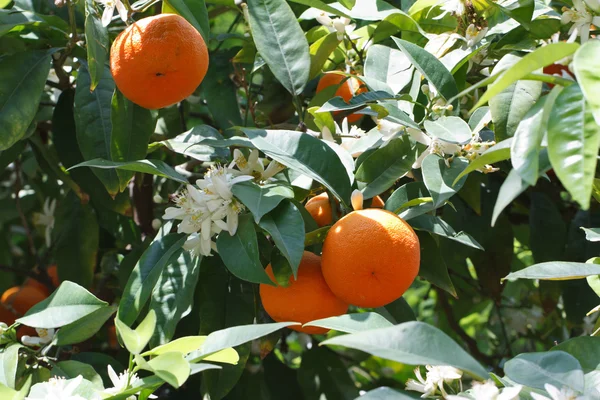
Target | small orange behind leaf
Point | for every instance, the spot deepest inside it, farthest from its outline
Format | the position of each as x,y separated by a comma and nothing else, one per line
348,89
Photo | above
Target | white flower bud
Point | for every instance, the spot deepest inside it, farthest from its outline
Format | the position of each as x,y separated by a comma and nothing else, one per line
357,200
156,224
157,199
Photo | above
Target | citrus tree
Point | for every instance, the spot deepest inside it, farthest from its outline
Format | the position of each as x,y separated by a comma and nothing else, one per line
299,199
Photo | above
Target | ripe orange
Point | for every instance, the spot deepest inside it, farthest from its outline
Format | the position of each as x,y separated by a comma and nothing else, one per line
370,257
17,300
158,61
557,69
306,299
351,87
320,208
52,272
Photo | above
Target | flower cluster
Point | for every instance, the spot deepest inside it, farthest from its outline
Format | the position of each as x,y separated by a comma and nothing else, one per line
349,135
582,16
435,379
109,10
207,209
46,219
488,391
341,26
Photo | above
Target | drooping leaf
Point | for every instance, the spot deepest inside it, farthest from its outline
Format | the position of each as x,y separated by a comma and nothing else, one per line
84,328
261,199
305,154
352,323
439,178
154,167
433,267
556,270
413,343
556,368
585,64
439,227
573,141
281,42
23,77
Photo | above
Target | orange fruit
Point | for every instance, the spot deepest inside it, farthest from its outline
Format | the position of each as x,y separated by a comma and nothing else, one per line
320,208
305,299
557,69
52,272
158,61
346,90
19,299
370,257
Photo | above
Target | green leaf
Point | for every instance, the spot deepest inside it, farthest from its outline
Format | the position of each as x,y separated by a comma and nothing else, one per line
136,339
280,41
585,67
520,10
592,234
352,323
235,336
173,296
13,18
533,61
358,101
72,369
434,71
586,349
132,127
23,79
146,274
449,129
439,227
93,122
96,38
394,23
183,345
84,328
556,368
316,160
386,393
170,367
194,11
389,66
261,199
69,303
9,362
154,167
498,152
324,375
556,270
573,141
439,178
398,116
321,6
286,227
190,143
400,201
240,252
525,148
433,266
76,240
413,343
511,104
397,311
547,229
320,52
386,165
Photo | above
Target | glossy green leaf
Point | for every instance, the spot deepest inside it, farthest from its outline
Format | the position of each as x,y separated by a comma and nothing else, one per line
586,349
397,311
592,234
585,63
146,274
319,5
136,339
386,165
525,148
389,66
240,252
235,336
556,368
23,79
10,19
401,202
449,129
434,71
72,369
154,167
173,295
285,226
190,143
306,154
520,10
439,178
132,126
556,270
498,152
573,141
394,23
171,367
93,122
386,393
433,266
320,52
84,328
533,61
194,11
261,199
9,361
509,106
398,116
280,41
96,38
358,101
413,343
352,323
183,345
439,227
76,241
69,303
